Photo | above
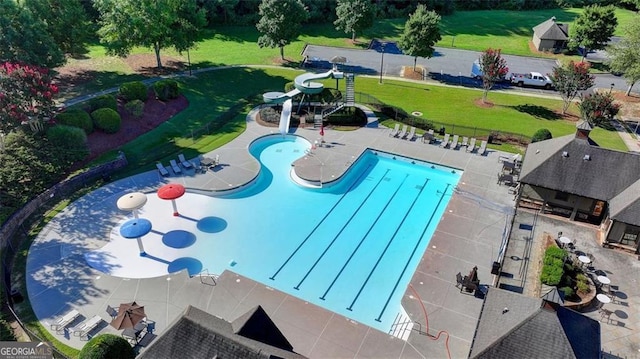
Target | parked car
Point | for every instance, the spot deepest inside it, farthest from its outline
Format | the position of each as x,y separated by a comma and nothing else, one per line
535,79
476,71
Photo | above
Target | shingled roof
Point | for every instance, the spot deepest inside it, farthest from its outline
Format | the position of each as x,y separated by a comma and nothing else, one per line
551,30
198,334
625,207
578,166
515,326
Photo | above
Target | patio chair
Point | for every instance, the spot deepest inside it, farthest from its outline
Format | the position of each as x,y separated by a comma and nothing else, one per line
412,134
445,141
184,162
472,145
465,141
395,130
604,313
454,143
403,132
483,148
163,171
175,167
112,311
459,281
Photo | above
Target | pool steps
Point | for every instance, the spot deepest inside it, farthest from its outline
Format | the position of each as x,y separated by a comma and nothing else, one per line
402,325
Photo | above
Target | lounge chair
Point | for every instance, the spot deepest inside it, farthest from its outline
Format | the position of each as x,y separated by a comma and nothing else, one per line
184,162
395,130
472,145
465,141
454,143
60,325
411,134
86,327
445,141
163,171
483,148
403,132
175,167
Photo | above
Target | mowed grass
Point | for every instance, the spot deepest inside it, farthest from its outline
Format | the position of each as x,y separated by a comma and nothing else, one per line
213,94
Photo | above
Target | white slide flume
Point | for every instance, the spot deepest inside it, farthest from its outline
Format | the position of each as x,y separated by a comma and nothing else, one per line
285,117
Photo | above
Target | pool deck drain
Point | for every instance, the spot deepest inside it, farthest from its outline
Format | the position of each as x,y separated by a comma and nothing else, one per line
469,234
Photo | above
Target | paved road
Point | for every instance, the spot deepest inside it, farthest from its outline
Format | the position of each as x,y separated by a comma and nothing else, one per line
447,65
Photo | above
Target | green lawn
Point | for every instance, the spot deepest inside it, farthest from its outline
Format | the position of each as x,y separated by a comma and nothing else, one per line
218,99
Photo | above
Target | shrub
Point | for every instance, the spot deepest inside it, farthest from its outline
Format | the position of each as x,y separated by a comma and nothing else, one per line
166,89
134,90
135,108
107,120
289,86
103,101
553,266
70,141
107,346
568,292
541,135
582,283
270,115
77,118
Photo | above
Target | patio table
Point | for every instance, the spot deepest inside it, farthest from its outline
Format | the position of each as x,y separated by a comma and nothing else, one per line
602,298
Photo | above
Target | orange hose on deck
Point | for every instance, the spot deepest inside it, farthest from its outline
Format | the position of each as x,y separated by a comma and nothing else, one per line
426,318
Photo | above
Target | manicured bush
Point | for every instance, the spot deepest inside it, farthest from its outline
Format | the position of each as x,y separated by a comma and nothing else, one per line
134,90
541,135
106,346
103,101
166,89
582,283
135,108
107,120
77,118
69,141
553,266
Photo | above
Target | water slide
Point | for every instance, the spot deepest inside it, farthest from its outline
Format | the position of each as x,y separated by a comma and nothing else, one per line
303,84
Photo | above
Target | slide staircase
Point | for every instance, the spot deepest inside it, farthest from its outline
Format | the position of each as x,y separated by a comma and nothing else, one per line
348,100
306,85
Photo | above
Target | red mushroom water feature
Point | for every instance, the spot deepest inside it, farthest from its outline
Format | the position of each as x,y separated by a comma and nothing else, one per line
172,191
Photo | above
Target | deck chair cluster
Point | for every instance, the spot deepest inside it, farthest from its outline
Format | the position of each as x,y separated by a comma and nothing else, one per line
405,133
455,142
175,166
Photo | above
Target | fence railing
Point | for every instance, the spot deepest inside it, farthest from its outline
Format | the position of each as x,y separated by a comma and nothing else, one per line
13,231
440,127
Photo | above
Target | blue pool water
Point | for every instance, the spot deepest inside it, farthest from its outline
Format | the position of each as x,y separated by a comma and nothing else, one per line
351,247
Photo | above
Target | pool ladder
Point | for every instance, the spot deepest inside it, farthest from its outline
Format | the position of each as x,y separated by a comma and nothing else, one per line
402,325
207,278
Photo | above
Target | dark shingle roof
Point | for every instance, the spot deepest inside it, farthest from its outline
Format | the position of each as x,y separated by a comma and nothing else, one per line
198,334
515,326
625,207
551,30
560,164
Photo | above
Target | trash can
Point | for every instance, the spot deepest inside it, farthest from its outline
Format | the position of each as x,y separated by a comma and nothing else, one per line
495,268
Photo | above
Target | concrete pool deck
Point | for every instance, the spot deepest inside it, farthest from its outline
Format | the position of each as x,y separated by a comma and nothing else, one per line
469,234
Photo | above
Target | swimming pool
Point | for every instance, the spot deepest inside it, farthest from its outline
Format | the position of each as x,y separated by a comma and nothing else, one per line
351,247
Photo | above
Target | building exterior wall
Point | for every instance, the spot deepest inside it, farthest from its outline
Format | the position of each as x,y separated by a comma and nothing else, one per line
568,205
626,235
536,42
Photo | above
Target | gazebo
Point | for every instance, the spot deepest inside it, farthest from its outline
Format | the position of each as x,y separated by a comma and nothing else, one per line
132,202
172,191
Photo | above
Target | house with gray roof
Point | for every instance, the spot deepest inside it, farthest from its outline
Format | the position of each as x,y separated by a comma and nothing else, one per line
198,334
550,35
572,176
512,325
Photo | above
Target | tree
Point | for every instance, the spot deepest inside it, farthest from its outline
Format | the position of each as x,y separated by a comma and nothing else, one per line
625,55
541,135
570,80
280,22
158,24
26,96
66,22
421,32
354,16
23,38
594,27
106,346
598,108
493,67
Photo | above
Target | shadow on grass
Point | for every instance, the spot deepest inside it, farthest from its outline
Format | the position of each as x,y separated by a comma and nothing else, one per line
537,111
